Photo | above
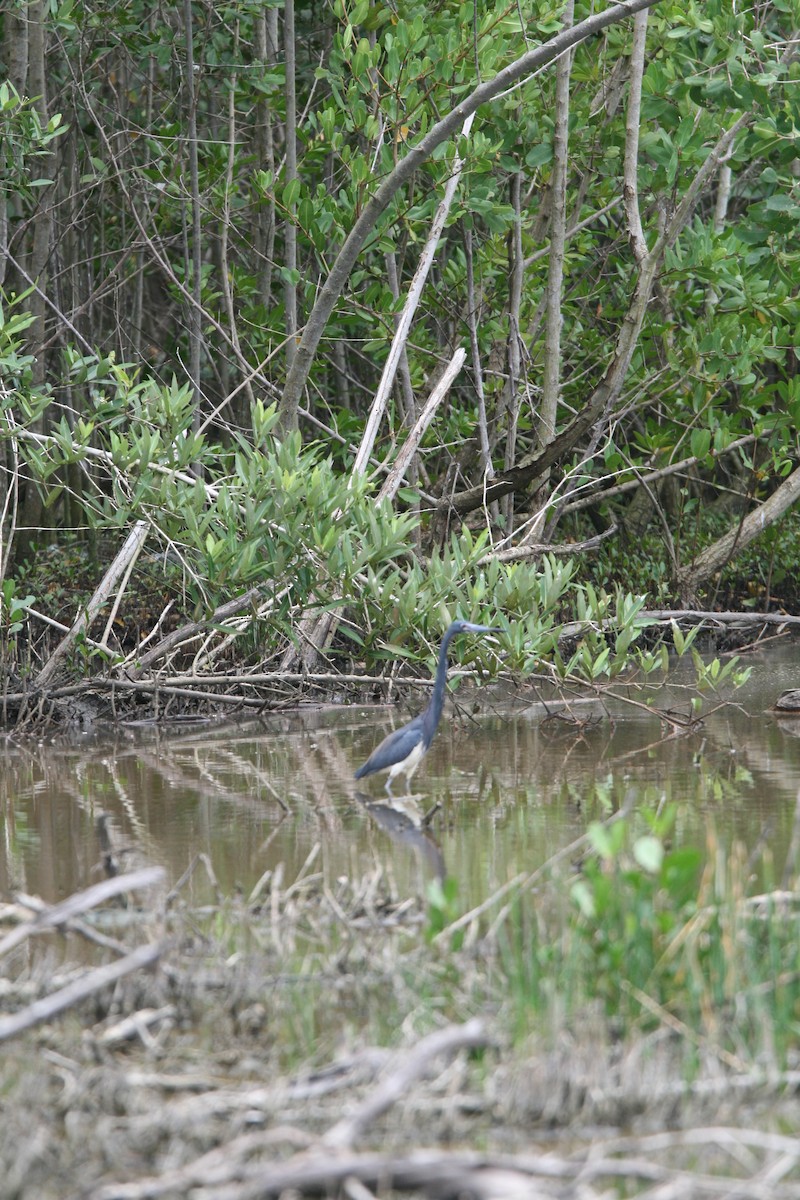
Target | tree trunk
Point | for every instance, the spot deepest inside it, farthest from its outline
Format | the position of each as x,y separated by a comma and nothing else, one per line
715,556
194,315
30,516
290,175
551,373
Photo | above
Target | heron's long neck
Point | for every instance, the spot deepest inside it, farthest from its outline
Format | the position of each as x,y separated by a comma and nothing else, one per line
434,710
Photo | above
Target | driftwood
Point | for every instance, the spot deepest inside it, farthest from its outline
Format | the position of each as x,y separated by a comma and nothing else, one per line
65,914
120,569
80,989
715,556
473,1174
255,1166
330,1161
51,917
412,1067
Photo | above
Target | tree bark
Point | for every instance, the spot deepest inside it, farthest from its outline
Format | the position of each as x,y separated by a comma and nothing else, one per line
512,398
630,183
290,175
194,314
551,374
31,509
551,371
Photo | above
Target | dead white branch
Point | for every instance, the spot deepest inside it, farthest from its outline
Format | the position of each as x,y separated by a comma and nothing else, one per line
411,444
409,309
411,1067
119,567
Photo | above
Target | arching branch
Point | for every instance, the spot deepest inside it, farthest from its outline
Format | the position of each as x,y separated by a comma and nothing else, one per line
444,129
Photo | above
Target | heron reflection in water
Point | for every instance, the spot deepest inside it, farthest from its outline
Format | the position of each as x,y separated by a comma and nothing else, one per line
402,751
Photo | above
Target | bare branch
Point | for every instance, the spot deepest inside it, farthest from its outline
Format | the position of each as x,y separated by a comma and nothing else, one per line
126,557
412,1066
715,556
93,981
411,444
412,301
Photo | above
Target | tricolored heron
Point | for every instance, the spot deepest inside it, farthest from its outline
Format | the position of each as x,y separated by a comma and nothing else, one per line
403,750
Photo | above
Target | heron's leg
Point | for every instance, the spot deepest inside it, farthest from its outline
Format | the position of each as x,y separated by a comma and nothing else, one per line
410,769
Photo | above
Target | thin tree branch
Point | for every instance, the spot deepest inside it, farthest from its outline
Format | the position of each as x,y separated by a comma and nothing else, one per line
409,309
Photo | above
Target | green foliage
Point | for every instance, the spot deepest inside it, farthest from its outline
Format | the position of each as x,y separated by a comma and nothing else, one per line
21,404
254,512
715,361
258,513
24,136
654,930
636,899
13,609
443,909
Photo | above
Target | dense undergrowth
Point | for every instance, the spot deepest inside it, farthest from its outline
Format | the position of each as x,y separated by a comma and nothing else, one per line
189,358
245,539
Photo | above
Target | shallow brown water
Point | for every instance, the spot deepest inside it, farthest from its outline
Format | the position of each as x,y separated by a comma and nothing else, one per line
513,787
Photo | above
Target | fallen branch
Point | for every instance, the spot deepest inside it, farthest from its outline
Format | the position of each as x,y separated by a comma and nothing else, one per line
721,618
93,981
412,1067
210,687
534,549
59,914
694,616
715,556
137,1026
120,567
186,632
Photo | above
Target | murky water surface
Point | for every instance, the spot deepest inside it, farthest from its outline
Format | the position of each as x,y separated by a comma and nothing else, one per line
512,785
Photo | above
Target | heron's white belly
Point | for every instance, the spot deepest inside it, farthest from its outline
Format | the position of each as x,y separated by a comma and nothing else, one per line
409,765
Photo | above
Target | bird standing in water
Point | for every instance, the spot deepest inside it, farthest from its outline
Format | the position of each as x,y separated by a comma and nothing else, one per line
403,750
